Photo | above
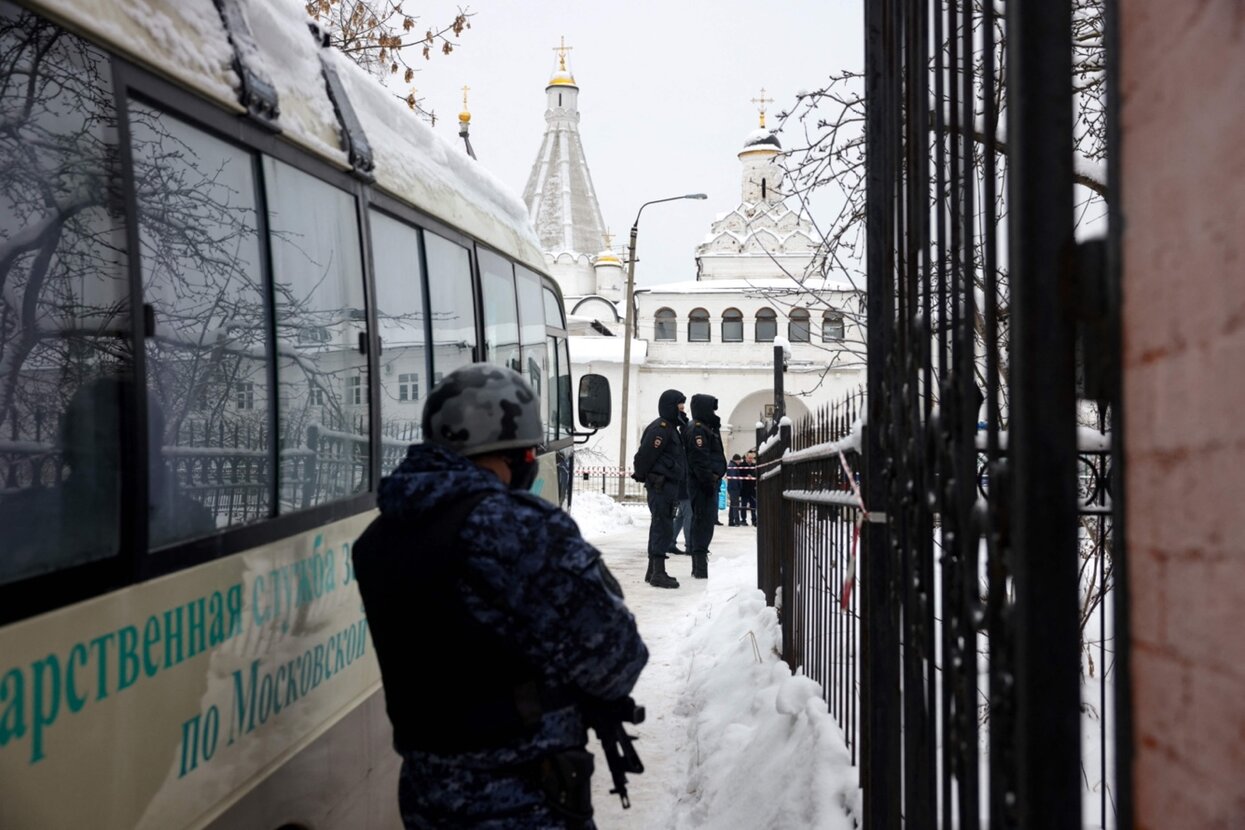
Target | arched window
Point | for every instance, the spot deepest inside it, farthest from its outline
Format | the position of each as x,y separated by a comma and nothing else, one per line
665,325
798,326
767,326
698,326
832,326
732,326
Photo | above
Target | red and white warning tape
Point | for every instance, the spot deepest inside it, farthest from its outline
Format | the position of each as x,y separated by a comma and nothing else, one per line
849,583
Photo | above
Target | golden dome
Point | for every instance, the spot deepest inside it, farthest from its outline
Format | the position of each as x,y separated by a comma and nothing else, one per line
562,76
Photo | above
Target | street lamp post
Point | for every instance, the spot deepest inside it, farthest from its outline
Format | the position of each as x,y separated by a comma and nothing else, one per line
629,333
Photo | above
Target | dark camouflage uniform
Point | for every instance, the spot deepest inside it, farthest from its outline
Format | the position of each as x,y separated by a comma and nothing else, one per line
530,579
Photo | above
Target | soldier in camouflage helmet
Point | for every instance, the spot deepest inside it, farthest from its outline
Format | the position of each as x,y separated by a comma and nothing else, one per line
497,627
481,409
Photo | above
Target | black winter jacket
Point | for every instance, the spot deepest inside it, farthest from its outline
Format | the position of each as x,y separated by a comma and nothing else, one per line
706,459
660,462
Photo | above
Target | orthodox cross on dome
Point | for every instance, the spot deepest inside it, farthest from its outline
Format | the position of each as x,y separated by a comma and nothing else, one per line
465,115
609,240
762,101
562,49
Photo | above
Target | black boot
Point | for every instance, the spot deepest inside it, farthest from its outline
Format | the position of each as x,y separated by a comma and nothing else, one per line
648,575
660,578
700,566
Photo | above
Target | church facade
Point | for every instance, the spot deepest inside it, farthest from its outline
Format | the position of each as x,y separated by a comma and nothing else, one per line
758,282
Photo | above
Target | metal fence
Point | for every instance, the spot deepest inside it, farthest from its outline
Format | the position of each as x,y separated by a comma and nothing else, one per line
604,480
808,546
807,543
976,666
228,468
980,300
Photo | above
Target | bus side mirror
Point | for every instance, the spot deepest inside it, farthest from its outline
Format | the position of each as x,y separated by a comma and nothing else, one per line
594,401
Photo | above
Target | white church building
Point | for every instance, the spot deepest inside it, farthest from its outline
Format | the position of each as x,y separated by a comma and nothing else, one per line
758,279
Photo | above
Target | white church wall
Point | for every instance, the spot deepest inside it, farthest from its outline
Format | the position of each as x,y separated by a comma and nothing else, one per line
603,356
749,351
574,274
753,265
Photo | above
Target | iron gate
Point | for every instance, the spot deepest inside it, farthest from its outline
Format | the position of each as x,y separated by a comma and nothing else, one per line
990,335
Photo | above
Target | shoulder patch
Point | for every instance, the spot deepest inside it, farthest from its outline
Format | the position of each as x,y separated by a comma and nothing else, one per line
700,440
657,442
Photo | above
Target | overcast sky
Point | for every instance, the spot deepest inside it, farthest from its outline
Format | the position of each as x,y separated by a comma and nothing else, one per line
665,89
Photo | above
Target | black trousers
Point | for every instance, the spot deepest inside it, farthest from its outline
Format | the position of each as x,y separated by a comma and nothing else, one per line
747,505
704,516
661,504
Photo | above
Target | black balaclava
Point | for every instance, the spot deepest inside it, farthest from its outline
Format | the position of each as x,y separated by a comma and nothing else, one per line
668,404
523,468
703,409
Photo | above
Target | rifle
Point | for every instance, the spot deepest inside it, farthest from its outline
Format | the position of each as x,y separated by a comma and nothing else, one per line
606,719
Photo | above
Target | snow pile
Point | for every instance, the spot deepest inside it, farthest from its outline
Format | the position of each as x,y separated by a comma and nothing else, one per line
599,515
763,752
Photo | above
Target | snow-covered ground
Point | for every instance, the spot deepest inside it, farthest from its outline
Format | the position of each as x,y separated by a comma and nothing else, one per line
732,740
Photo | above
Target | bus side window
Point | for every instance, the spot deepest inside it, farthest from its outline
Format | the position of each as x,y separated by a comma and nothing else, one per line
535,356
501,315
321,318
452,304
554,320
550,407
400,320
209,462
564,388
64,313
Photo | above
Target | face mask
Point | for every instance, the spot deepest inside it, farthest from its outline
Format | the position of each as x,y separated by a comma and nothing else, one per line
523,469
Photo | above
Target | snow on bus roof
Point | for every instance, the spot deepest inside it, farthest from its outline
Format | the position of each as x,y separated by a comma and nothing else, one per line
288,54
416,164
186,40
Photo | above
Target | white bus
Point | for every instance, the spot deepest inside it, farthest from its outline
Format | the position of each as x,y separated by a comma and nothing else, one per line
231,267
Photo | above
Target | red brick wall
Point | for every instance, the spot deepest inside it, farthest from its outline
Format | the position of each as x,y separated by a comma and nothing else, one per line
1183,165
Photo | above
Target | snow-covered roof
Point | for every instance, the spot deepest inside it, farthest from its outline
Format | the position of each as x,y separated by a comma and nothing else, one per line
605,350
761,138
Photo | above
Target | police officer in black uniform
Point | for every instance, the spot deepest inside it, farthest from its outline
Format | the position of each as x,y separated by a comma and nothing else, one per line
661,464
706,461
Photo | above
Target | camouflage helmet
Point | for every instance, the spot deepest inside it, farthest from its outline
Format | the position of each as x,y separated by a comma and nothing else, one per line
482,408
